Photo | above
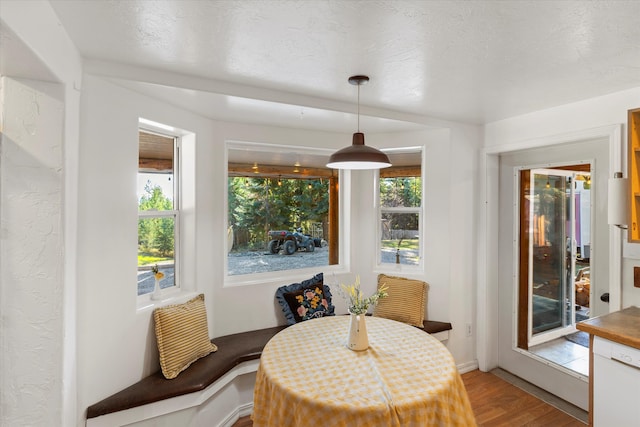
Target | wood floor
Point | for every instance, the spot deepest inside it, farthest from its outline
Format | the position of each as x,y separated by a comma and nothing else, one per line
496,402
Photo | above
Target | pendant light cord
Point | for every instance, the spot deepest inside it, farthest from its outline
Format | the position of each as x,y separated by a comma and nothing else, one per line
358,107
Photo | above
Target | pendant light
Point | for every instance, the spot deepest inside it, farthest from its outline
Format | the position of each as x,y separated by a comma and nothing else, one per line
358,155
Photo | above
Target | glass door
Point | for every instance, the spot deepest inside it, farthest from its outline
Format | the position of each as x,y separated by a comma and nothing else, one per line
555,231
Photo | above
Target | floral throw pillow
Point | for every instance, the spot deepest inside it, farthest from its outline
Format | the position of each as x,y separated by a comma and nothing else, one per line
309,299
307,303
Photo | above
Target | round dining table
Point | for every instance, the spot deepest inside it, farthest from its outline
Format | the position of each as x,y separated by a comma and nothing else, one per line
307,376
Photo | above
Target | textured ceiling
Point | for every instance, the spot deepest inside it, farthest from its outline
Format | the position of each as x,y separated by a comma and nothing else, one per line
468,61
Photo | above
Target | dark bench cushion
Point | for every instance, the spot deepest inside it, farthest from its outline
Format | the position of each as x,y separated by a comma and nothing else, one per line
433,327
232,350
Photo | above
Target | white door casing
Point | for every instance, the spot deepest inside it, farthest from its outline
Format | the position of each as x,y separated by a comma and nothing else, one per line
492,270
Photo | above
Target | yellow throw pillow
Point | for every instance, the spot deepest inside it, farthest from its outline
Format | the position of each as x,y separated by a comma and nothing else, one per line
182,334
406,301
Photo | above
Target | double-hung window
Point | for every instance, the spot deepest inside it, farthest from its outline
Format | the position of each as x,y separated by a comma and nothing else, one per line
400,195
158,210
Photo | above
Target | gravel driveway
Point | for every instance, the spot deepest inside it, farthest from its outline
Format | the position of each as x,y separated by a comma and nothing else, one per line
263,261
259,262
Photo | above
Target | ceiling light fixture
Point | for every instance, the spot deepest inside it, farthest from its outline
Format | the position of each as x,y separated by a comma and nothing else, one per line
358,155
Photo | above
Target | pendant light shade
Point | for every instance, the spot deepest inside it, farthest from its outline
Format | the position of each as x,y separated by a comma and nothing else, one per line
358,155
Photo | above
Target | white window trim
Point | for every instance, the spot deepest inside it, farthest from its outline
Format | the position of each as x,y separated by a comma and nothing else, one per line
381,267
168,295
294,275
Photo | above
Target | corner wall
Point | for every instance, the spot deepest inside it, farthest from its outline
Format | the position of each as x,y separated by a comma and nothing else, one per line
31,252
44,43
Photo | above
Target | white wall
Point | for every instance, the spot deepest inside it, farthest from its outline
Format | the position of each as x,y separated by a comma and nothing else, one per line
31,252
115,340
449,234
96,267
116,345
579,116
43,43
463,214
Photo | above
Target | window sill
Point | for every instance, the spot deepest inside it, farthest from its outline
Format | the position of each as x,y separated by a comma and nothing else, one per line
398,268
169,297
283,276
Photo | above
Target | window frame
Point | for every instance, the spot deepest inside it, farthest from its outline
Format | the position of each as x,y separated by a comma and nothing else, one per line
291,274
419,210
167,132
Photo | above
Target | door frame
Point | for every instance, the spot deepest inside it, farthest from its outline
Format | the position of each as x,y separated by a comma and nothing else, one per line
488,225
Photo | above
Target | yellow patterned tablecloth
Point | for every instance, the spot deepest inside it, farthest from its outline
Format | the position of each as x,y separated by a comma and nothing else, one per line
307,377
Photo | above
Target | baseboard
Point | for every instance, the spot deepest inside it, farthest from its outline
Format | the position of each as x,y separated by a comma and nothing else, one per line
241,411
468,367
245,409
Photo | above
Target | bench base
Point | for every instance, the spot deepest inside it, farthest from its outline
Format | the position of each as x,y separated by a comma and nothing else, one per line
220,404
204,393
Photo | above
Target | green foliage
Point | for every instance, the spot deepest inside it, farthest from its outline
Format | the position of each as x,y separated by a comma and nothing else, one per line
153,199
401,191
164,236
257,205
156,235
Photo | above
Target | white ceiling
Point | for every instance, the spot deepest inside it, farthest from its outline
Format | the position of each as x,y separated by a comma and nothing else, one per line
468,61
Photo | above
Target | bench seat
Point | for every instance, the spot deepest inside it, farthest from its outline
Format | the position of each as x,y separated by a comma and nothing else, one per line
232,351
433,326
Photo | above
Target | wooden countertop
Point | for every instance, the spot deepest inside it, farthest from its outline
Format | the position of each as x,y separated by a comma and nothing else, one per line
621,326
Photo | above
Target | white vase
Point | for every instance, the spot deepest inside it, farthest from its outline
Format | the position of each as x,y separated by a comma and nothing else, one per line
358,339
156,295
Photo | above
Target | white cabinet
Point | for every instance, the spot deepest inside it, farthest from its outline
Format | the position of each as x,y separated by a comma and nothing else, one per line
616,384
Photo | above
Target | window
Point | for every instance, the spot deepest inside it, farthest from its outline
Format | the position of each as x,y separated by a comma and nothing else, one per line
283,209
158,209
400,208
